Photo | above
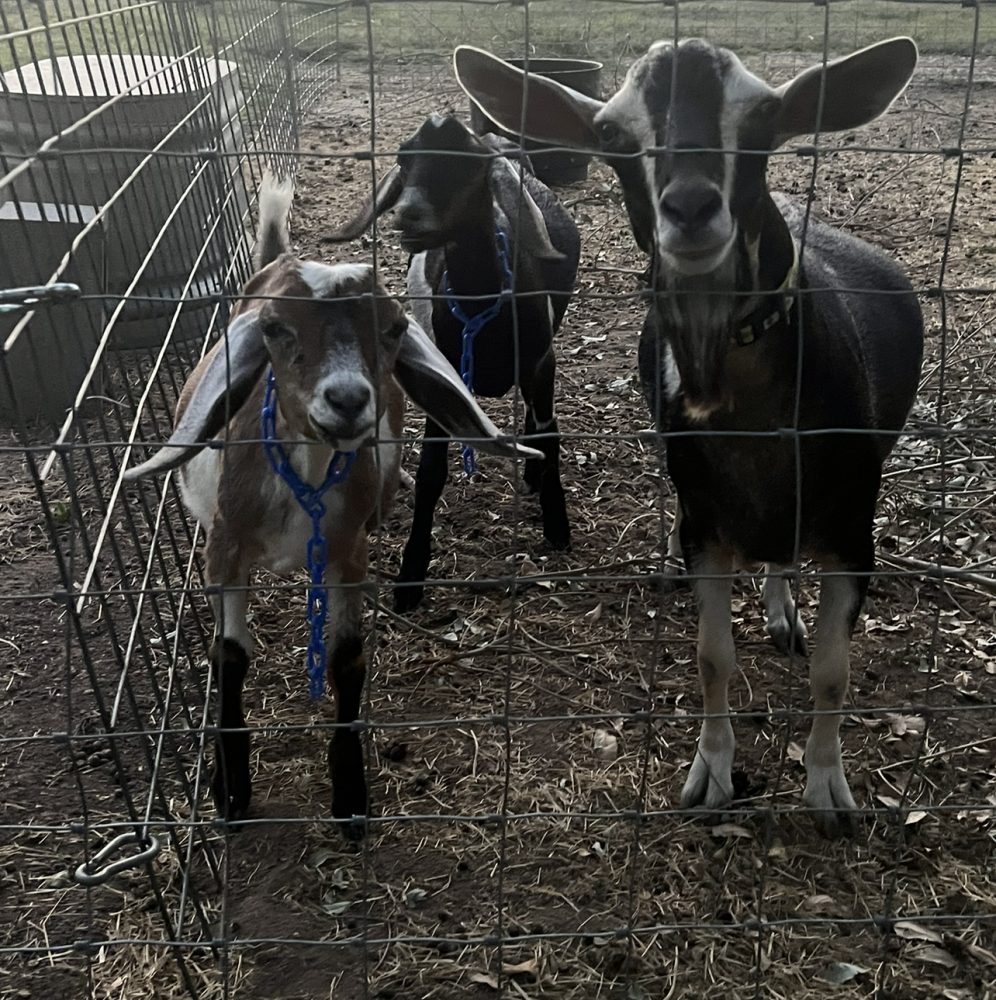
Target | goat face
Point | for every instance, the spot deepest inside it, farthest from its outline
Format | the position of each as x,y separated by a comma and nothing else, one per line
689,131
440,187
331,342
699,105
444,171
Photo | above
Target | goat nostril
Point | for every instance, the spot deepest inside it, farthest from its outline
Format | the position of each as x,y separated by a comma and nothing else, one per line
347,402
709,207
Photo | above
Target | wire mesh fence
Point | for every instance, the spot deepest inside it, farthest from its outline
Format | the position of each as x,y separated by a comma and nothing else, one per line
526,731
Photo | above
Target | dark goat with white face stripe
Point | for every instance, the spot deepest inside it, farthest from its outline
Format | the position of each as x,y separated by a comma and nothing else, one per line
451,190
758,322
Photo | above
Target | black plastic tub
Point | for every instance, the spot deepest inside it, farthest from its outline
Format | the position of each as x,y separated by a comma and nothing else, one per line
583,75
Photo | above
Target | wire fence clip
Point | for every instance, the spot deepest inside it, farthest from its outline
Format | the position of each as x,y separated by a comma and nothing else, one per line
89,874
20,299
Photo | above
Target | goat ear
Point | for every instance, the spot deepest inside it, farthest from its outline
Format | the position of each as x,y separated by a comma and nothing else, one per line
224,379
856,90
553,113
388,191
432,384
508,183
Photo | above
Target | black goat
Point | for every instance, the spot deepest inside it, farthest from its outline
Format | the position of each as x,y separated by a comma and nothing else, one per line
471,218
761,320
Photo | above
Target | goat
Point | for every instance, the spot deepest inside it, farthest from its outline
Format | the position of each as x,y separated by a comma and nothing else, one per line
761,319
337,348
455,194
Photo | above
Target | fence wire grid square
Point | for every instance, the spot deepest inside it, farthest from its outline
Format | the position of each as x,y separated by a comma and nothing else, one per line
528,728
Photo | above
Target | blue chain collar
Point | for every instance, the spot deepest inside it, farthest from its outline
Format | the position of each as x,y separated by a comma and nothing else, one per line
310,499
472,326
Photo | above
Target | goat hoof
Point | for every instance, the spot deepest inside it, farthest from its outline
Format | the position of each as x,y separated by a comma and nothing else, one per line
350,810
827,795
352,830
836,825
672,577
709,785
407,597
558,538
788,641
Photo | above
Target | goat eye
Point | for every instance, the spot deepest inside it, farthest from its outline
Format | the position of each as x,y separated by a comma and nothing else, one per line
299,358
272,329
608,132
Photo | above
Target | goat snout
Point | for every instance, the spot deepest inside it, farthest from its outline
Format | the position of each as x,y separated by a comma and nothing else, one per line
415,219
349,400
695,227
343,411
691,205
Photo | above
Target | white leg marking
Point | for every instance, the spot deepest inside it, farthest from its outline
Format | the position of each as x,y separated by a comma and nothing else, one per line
781,617
710,781
826,786
230,616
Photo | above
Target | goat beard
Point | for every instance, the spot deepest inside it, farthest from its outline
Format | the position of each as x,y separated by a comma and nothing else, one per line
698,320
700,356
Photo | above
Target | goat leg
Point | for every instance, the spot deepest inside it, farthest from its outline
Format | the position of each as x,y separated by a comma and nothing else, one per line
827,792
541,419
230,653
782,620
710,779
231,783
429,482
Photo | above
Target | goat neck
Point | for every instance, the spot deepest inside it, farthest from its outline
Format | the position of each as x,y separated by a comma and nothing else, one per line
700,314
472,256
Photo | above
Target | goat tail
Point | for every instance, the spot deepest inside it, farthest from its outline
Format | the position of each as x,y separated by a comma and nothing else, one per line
273,233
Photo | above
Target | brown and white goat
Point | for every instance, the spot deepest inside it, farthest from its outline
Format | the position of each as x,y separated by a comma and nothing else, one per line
341,352
780,356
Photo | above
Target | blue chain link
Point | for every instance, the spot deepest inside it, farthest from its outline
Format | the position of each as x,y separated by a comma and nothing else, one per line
310,499
472,326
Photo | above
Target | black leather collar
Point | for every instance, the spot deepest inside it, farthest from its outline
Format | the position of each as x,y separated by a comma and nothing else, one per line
775,307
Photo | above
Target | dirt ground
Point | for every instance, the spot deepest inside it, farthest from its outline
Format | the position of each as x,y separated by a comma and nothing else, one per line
529,745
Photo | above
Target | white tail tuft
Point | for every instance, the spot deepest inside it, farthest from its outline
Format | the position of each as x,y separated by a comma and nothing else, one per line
272,234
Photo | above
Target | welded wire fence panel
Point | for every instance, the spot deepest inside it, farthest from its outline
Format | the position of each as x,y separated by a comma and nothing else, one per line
527,730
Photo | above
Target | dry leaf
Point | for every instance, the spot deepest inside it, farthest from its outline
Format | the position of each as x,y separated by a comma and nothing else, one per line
485,979
530,967
819,901
606,745
729,830
937,956
839,973
911,930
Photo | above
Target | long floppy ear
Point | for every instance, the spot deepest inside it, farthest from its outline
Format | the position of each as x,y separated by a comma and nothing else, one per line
508,184
433,384
224,379
388,191
856,90
554,114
